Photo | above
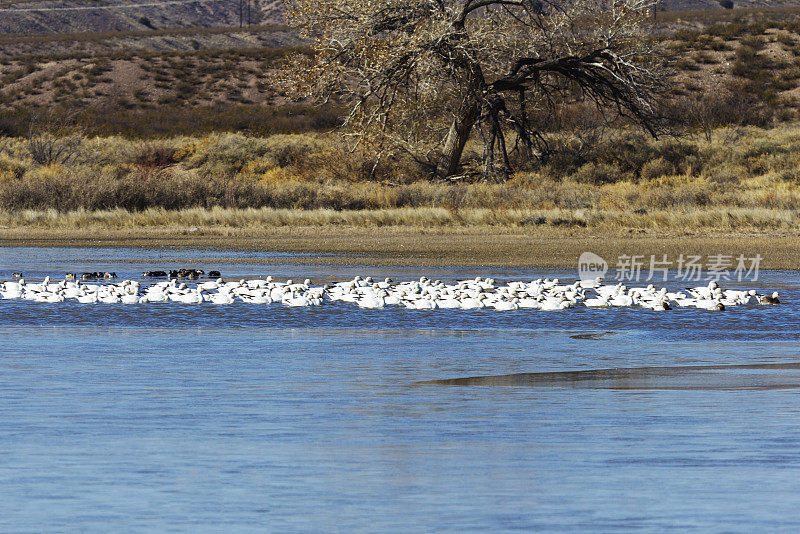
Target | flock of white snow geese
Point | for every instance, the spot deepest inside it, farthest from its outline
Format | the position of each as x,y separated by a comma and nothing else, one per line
364,292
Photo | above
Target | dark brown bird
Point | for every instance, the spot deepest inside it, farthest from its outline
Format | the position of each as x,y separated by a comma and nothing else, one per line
769,299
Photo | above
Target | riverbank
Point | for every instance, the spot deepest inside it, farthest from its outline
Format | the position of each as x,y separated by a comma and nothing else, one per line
737,193
626,179
406,246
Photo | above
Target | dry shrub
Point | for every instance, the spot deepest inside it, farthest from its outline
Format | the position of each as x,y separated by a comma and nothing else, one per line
293,151
790,175
11,168
676,192
629,152
174,118
185,151
619,196
657,168
598,173
727,174
53,137
154,155
133,189
741,103
236,150
46,148
739,167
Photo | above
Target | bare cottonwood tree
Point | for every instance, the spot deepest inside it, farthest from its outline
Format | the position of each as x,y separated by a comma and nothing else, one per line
425,75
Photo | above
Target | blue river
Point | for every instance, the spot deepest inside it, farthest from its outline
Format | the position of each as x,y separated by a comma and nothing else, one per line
171,417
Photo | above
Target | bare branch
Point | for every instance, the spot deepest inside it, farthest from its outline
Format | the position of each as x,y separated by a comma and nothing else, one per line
421,75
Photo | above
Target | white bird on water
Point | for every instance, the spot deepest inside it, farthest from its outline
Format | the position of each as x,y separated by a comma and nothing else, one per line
421,294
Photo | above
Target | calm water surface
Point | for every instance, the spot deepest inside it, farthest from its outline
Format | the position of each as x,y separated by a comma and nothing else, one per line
251,418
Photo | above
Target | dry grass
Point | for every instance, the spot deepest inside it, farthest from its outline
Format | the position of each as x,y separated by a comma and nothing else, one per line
215,220
742,177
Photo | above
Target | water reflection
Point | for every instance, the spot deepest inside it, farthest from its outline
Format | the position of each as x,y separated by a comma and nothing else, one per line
754,376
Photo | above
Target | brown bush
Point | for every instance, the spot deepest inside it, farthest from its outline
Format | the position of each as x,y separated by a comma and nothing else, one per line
657,168
737,104
172,118
154,156
598,173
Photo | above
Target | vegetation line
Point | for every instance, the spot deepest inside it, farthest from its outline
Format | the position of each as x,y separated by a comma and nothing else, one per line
743,178
202,219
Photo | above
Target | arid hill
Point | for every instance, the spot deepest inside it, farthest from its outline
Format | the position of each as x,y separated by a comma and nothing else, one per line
69,16
145,80
688,5
27,17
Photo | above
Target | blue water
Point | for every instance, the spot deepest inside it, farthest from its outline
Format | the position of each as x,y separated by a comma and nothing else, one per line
250,418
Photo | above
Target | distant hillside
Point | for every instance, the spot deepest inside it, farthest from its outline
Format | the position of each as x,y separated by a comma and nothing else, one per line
689,5
183,67
123,43
71,16
26,17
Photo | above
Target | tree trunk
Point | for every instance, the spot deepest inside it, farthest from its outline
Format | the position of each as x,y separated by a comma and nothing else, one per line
522,135
457,138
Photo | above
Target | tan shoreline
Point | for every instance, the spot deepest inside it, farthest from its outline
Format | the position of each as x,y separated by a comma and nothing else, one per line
403,246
